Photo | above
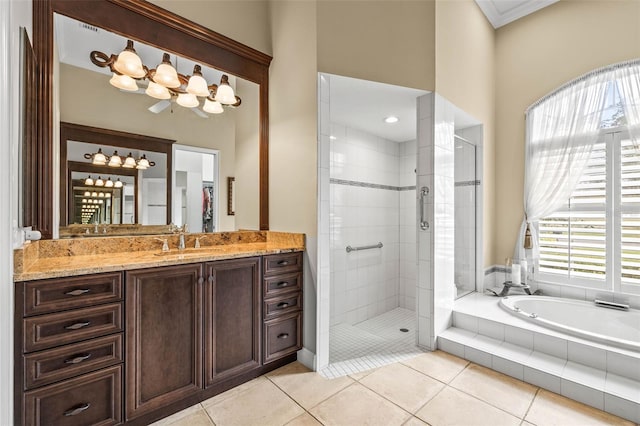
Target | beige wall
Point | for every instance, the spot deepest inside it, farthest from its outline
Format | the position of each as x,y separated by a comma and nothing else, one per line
245,21
90,100
247,168
386,41
534,55
465,55
293,117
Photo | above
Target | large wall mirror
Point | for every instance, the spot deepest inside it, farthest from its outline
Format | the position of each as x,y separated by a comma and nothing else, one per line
75,95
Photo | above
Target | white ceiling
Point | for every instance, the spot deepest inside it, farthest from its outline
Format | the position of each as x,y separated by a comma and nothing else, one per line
501,12
363,105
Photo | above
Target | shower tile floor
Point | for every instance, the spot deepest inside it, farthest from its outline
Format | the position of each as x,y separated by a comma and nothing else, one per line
373,343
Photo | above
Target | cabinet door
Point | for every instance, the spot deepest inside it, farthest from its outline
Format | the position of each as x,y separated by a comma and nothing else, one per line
164,336
232,318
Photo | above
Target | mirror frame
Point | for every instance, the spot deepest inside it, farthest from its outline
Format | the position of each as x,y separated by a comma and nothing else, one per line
150,24
101,137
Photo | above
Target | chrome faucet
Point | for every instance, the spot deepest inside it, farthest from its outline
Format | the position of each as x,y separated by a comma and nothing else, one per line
181,245
199,239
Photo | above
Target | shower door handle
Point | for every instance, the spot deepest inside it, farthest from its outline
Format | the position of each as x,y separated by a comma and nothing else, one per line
424,224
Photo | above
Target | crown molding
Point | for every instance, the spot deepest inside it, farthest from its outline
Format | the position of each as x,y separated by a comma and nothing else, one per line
519,9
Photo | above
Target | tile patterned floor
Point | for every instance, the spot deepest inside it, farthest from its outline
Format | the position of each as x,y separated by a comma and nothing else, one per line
433,388
372,343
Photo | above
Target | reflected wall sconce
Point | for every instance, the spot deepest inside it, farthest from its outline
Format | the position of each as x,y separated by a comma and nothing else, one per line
115,160
101,182
164,82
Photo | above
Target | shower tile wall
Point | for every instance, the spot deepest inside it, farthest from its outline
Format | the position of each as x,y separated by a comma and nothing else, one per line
366,283
408,253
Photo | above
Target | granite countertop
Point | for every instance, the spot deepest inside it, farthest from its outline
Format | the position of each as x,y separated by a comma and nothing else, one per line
37,264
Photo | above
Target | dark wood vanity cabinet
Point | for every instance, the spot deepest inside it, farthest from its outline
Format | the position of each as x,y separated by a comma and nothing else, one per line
69,351
282,298
231,318
136,346
163,335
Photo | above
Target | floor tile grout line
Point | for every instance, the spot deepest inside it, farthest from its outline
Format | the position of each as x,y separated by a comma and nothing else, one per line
487,402
531,403
384,397
300,405
207,413
434,378
430,399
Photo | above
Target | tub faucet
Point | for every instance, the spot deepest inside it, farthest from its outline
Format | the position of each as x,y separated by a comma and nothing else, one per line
508,285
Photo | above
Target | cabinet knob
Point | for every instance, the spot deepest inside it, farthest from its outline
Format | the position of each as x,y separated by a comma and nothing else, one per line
283,305
78,325
76,359
78,292
77,409
282,284
283,262
283,335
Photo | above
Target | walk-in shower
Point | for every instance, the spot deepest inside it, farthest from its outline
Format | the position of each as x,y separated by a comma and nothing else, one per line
372,219
387,283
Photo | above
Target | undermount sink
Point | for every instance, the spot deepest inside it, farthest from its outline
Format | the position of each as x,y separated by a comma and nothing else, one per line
191,251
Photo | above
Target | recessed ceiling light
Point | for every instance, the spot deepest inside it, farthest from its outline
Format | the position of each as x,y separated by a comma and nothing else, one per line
333,138
391,119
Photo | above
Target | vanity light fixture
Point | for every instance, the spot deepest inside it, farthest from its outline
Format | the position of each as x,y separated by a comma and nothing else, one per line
118,184
99,182
108,183
130,162
391,119
88,181
164,82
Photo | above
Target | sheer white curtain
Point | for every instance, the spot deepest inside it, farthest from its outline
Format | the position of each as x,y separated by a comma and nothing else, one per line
627,77
561,130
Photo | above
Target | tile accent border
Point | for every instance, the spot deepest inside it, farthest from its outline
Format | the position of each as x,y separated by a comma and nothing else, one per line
371,185
468,183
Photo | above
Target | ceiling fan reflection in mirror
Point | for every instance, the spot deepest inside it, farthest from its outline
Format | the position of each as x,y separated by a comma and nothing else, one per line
161,105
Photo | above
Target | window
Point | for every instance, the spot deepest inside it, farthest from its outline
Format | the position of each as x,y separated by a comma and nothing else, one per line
594,239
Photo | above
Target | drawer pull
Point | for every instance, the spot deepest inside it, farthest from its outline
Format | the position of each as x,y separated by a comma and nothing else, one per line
283,262
78,325
283,336
77,359
78,292
282,284
77,410
283,305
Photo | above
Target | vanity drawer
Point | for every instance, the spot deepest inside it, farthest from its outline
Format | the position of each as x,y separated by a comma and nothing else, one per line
91,399
283,336
279,263
53,365
54,295
282,305
285,283
47,331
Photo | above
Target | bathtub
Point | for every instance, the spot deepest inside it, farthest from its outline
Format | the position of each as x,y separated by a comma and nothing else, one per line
579,318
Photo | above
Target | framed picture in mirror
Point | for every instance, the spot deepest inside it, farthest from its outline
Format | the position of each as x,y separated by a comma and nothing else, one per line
231,205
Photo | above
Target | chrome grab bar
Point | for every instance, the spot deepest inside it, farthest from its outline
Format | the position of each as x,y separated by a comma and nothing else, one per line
424,191
350,249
